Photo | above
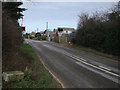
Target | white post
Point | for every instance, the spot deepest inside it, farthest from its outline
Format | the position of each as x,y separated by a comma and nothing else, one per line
48,37
59,39
47,30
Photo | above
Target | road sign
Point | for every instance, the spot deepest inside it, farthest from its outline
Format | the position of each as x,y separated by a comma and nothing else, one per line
60,33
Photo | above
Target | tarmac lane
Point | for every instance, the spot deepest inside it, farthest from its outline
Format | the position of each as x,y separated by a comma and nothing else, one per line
77,69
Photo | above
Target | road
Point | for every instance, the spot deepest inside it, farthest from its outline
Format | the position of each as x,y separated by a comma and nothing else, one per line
77,69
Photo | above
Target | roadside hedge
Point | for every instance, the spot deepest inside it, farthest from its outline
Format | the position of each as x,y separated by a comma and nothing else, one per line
100,31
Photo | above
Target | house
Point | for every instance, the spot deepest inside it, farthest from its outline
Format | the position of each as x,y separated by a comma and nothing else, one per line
32,34
43,35
62,30
65,30
61,34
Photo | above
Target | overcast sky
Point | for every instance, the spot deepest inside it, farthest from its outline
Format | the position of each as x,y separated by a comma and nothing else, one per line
58,14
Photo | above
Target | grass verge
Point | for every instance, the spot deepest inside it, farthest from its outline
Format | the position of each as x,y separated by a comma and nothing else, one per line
36,76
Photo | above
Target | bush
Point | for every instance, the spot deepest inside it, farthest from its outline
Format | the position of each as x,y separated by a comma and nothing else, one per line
100,32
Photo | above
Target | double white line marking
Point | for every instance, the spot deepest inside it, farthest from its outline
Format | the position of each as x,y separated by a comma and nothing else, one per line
102,68
97,67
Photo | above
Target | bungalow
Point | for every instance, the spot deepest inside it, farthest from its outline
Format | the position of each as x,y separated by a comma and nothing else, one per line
65,30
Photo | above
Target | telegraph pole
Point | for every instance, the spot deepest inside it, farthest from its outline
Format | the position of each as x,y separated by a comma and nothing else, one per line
37,29
47,29
46,25
48,38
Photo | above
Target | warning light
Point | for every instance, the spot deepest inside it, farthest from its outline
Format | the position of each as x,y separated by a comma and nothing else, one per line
53,30
60,29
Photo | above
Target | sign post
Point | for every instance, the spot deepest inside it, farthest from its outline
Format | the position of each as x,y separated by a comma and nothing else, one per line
59,34
60,30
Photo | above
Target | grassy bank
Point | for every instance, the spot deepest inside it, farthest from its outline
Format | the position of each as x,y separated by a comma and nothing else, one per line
36,76
91,51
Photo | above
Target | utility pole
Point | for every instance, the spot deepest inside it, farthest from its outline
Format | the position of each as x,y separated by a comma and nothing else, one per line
37,29
46,25
48,38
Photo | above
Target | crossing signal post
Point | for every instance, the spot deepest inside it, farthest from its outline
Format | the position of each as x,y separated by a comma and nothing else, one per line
23,28
60,30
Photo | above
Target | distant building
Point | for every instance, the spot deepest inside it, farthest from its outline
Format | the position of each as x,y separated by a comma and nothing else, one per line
66,30
43,35
32,34
63,32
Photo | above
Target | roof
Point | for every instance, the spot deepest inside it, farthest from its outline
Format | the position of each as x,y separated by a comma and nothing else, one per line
71,29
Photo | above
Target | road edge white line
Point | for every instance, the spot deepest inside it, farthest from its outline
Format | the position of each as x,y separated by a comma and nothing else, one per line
51,72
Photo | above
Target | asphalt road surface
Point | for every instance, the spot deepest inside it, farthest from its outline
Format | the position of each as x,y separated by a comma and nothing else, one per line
77,69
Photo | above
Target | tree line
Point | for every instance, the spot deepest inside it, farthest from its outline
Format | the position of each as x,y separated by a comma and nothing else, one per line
101,31
11,31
